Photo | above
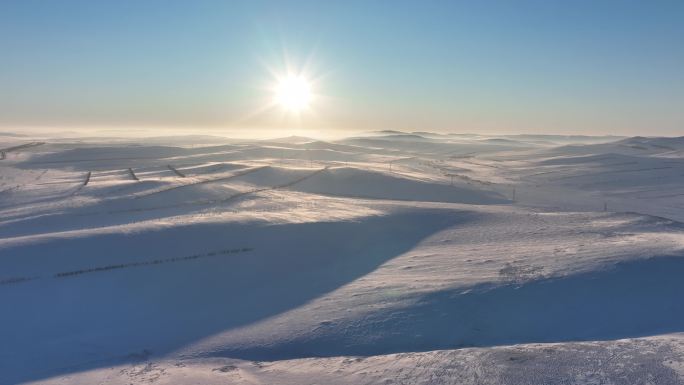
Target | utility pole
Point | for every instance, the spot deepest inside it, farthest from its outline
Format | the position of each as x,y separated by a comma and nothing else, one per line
513,193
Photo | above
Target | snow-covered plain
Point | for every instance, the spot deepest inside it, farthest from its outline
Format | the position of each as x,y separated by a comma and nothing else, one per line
408,258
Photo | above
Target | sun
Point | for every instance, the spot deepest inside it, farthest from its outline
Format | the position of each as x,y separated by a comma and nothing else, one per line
293,93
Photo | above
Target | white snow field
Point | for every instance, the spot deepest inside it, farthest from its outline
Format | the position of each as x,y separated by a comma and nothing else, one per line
386,258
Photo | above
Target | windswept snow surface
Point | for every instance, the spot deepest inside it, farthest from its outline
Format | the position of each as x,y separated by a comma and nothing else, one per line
392,257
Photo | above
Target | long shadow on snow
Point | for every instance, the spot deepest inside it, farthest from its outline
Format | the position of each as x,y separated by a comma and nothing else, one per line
58,326
631,299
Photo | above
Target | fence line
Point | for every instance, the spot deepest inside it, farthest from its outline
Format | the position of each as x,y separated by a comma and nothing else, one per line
72,273
132,174
175,171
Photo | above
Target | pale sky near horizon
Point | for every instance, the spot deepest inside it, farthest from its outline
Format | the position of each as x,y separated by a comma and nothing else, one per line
489,66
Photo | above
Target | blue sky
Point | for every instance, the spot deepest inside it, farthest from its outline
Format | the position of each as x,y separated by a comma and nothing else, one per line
533,66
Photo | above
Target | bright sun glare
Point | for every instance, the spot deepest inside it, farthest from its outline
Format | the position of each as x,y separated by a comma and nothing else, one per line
293,93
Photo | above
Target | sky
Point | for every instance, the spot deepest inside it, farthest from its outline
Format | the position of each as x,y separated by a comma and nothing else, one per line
481,66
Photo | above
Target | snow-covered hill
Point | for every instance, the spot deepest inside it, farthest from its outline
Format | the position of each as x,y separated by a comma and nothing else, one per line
387,258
